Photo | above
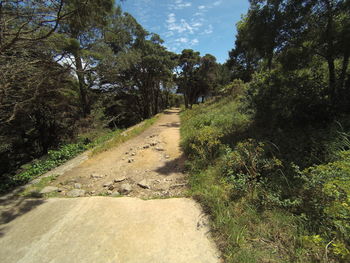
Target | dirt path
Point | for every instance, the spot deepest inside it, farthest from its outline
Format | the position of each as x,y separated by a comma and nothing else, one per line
108,229
147,166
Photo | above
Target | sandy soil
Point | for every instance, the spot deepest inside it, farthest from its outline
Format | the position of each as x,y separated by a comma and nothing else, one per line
153,158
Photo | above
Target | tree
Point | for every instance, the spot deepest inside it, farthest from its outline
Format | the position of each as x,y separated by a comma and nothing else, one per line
197,76
26,22
84,28
189,62
243,59
207,73
138,67
37,105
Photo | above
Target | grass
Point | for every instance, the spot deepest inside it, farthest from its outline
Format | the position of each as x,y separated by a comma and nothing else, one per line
34,189
243,230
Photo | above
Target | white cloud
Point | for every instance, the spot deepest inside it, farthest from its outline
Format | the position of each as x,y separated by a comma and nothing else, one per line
182,40
208,30
197,24
182,26
169,34
194,41
216,3
179,4
171,18
201,7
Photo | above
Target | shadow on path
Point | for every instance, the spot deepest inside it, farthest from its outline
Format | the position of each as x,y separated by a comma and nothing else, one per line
172,166
13,206
171,125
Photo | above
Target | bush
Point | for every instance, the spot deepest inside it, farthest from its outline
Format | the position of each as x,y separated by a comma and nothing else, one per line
248,164
284,100
54,158
205,129
234,89
257,197
326,202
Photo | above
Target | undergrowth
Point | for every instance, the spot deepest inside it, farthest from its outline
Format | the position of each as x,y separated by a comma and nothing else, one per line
263,206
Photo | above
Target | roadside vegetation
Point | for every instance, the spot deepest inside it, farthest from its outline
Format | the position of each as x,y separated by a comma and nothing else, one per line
269,152
263,206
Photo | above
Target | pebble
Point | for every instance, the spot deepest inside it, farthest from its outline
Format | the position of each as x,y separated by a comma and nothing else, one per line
77,186
120,179
144,184
76,193
125,189
49,189
115,193
107,184
96,176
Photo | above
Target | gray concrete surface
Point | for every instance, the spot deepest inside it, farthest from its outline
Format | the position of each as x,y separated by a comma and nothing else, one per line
106,229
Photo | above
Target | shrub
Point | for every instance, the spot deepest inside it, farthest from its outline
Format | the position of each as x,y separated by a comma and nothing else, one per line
247,165
286,99
206,145
326,196
234,89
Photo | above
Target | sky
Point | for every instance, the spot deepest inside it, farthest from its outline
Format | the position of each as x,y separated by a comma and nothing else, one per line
207,26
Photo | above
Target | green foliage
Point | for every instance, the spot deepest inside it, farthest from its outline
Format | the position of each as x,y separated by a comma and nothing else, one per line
234,89
326,201
248,165
53,159
295,98
123,75
205,129
262,207
196,76
56,158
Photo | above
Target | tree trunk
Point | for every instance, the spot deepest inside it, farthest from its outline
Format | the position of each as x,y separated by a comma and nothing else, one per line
186,100
82,87
330,51
343,71
332,79
2,24
156,99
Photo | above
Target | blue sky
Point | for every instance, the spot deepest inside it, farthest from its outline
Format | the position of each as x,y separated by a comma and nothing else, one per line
203,25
